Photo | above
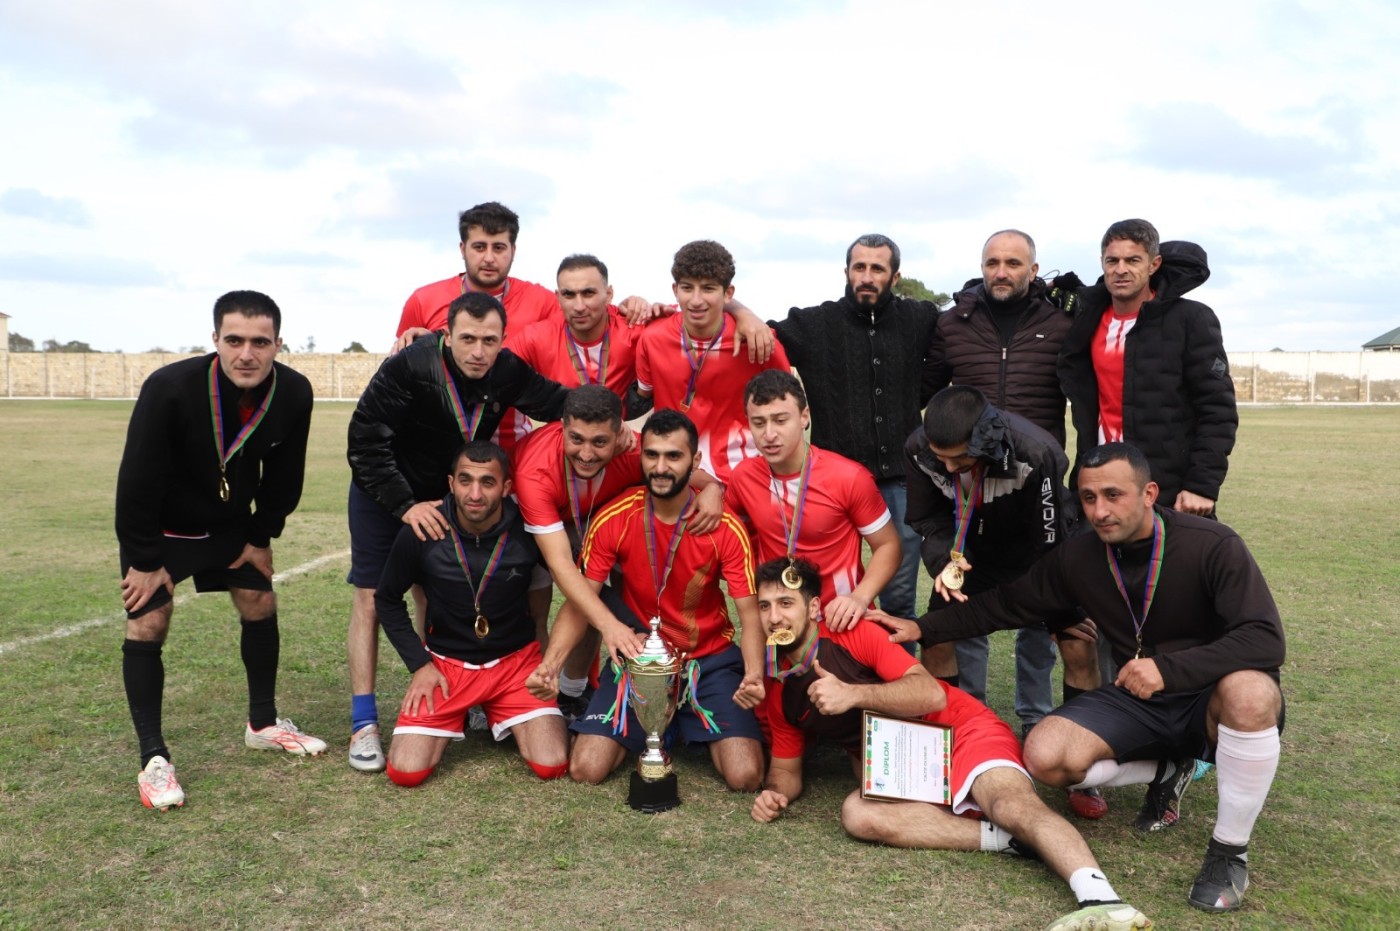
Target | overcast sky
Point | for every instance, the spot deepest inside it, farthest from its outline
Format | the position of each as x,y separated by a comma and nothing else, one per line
158,153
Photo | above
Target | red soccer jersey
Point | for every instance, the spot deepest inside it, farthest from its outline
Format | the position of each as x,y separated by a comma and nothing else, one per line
548,348
842,506
525,303
713,379
868,646
1107,355
542,488
693,616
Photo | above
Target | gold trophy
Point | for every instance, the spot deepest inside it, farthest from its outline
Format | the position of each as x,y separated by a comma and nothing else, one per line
655,675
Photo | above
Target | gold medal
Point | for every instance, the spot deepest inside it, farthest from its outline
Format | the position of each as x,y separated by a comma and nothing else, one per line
792,578
483,627
951,577
223,488
781,638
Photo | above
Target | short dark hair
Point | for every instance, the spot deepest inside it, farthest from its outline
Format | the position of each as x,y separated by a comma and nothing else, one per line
593,404
1104,453
482,451
249,304
1013,232
772,385
666,421
477,305
703,259
771,573
875,241
1138,231
582,260
951,415
492,217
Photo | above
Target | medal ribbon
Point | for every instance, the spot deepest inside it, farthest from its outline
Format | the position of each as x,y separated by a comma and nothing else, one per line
809,656
492,563
661,578
578,355
964,506
791,531
467,426
216,414
1154,572
579,520
696,359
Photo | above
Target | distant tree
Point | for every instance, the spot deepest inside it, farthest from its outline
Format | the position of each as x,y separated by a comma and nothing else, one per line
21,343
160,349
73,345
914,289
355,347
310,344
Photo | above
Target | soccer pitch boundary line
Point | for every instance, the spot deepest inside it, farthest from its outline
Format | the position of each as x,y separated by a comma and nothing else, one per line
70,629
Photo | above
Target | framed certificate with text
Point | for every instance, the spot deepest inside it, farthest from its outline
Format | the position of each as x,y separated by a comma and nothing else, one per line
907,760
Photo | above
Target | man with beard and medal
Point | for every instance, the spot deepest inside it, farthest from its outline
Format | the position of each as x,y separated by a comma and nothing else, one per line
1190,619
672,573
819,683
418,409
213,465
480,647
800,500
859,358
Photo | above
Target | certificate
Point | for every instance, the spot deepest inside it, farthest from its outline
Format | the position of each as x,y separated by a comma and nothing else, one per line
907,761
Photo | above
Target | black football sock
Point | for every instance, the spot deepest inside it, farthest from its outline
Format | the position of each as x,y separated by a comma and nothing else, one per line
143,674
261,647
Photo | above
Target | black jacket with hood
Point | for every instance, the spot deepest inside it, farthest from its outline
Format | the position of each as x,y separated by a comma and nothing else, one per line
1178,398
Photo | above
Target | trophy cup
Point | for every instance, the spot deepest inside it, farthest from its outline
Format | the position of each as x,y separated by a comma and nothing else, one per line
655,674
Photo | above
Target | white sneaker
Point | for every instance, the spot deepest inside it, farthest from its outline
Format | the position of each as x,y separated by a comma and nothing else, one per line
1116,917
158,785
366,752
283,736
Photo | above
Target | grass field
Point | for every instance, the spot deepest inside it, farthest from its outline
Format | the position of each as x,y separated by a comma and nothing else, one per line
271,841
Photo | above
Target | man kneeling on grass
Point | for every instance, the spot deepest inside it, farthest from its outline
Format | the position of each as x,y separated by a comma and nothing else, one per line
481,641
819,684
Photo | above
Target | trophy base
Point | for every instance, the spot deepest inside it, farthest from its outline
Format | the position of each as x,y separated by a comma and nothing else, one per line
654,797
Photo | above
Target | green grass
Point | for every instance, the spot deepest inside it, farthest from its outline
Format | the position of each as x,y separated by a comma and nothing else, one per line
270,841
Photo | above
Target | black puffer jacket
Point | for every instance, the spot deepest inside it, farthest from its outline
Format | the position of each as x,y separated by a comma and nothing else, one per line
404,429
1020,376
1178,399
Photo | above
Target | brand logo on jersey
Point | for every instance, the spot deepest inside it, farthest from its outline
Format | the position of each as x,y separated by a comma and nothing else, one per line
1047,508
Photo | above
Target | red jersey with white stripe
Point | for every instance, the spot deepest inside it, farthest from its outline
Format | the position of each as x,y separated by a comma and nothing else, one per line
694,619
548,347
542,486
717,400
1107,353
525,303
842,506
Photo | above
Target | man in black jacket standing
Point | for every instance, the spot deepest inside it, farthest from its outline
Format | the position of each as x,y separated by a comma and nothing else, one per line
1002,336
420,407
1191,622
859,359
1143,365
210,438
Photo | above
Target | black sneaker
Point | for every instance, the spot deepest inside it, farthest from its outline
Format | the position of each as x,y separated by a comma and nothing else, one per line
1224,877
575,707
1019,848
1162,806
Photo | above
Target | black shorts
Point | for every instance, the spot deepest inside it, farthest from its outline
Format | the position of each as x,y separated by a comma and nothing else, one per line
205,559
1169,725
372,534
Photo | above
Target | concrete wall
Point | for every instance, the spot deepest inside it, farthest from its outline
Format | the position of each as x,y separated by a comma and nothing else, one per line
334,376
1260,377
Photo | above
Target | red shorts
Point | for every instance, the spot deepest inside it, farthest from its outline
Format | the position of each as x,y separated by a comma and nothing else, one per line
498,687
981,741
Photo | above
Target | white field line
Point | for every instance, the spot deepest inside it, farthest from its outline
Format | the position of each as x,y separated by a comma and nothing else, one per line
71,629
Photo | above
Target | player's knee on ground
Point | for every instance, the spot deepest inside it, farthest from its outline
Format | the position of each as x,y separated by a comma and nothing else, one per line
746,776
407,779
547,771
860,819
592,761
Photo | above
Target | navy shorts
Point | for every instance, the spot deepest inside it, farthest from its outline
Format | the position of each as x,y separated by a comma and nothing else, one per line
1169,725
372,533
204,558
720,675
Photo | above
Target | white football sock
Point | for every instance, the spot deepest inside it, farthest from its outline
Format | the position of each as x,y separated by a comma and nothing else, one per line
1111,773
1245,764
1089,884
